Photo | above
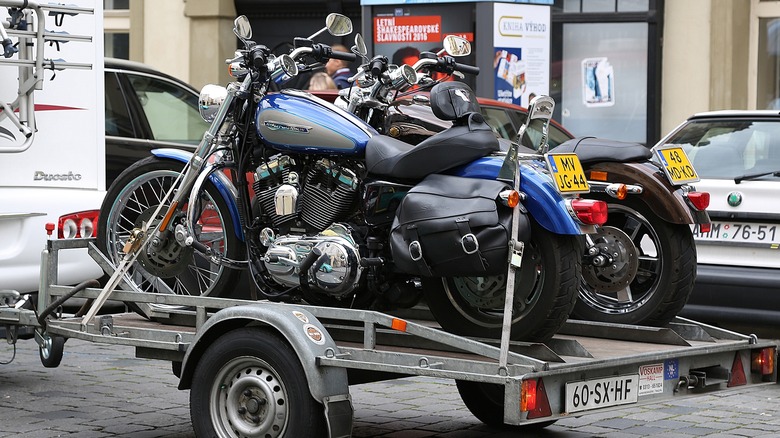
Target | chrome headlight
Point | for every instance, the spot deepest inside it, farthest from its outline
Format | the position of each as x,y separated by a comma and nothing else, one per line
209,101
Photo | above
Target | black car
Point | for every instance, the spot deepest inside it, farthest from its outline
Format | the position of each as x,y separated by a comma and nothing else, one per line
146,109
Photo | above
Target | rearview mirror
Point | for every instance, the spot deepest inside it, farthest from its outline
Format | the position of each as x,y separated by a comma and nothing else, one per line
456,46
242,28
338,25
360,45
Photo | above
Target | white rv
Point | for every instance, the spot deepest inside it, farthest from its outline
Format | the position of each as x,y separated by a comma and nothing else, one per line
52,158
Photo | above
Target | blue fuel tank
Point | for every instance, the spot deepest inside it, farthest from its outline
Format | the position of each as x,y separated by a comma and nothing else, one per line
296,121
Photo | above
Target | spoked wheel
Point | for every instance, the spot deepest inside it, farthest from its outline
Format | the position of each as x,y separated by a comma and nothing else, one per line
665,265
486,402
250,383
164,266
546,290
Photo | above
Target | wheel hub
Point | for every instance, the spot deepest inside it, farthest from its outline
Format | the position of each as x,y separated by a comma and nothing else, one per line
162,257
255,404
615,276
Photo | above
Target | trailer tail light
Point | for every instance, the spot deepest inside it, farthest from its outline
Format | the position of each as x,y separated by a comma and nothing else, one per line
763,361
699,200
589,211
82,224
533,399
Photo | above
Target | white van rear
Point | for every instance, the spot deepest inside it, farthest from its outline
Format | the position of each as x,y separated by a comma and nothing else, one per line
62,169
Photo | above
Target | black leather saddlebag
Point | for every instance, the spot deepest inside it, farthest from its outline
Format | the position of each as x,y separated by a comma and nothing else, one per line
451,226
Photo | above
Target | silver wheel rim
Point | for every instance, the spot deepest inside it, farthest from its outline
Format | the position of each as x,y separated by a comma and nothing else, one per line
248,399
138,198
484,296
651,265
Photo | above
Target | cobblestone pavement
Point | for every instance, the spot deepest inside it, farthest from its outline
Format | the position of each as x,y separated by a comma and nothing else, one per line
103,391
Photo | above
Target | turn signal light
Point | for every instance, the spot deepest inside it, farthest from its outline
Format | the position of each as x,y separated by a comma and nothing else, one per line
699,200
510,198
82,224
589,211
763,361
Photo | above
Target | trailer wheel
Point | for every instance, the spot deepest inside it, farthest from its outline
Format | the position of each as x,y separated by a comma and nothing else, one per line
51,351
486,402
250,383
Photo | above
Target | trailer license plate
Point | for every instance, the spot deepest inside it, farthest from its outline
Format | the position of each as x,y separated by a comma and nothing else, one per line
600,393
677,166
567,172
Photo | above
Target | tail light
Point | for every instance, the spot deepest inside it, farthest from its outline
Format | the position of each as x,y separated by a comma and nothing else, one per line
533,399
82,224
699,200
763,361
589,211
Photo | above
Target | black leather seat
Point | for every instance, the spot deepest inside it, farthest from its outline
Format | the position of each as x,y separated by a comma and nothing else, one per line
592,150
469,138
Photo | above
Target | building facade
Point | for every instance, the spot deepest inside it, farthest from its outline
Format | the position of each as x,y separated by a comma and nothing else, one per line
684,56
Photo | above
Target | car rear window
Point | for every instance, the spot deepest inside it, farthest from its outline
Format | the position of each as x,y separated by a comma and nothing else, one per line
727,149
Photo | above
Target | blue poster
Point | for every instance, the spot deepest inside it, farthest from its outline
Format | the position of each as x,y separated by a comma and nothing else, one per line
509,68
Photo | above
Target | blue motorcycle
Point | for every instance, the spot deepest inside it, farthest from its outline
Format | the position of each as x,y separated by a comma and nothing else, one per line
318,207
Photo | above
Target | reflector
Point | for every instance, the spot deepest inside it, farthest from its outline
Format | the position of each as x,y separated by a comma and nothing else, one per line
542,408
738,377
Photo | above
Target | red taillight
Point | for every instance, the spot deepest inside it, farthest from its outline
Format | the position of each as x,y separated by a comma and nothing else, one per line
78,225
590,211
699,200
763,361
705,228
533,399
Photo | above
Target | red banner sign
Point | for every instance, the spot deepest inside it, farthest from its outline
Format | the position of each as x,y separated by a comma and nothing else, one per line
423,29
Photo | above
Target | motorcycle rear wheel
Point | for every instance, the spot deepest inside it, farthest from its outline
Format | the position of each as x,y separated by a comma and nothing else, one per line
131,200
546,291
665,276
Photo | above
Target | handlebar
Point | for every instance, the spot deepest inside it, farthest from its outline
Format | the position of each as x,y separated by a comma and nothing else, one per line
446,65
468,69
344,56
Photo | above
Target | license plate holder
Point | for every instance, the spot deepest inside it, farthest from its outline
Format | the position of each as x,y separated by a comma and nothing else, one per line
585,395
676,164
567,172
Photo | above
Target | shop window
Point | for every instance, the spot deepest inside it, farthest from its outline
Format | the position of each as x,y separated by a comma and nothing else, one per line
768,93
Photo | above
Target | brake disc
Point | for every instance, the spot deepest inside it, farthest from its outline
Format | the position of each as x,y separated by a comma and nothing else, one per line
620,273
162,257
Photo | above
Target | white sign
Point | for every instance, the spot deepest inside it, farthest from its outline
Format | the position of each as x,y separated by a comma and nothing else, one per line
651,379
521,63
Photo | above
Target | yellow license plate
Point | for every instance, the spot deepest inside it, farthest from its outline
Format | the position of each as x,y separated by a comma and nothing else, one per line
676,165
567,172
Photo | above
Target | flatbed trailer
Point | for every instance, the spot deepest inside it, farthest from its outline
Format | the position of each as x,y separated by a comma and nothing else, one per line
274,369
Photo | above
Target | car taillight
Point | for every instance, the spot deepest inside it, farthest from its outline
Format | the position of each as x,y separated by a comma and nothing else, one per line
699,200
589,211
82,224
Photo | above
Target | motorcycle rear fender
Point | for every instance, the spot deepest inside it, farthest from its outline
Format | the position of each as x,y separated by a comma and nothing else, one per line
545,205
220,181
664,199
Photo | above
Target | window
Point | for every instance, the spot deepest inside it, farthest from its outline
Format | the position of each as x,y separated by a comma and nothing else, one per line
172,112
118,122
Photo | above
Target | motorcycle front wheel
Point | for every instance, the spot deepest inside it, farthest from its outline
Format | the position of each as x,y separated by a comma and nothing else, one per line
164,266
545,293
665,271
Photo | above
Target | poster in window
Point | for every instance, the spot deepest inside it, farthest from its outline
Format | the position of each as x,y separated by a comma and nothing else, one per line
521,63
598,82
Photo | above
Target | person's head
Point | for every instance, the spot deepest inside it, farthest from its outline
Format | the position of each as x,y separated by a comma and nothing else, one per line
321,81
407,55
334,65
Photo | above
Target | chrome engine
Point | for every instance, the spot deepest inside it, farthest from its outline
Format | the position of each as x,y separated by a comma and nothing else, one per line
336,271
307,205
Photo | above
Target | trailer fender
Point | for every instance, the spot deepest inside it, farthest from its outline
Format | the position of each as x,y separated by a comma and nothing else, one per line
220,181
296,325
